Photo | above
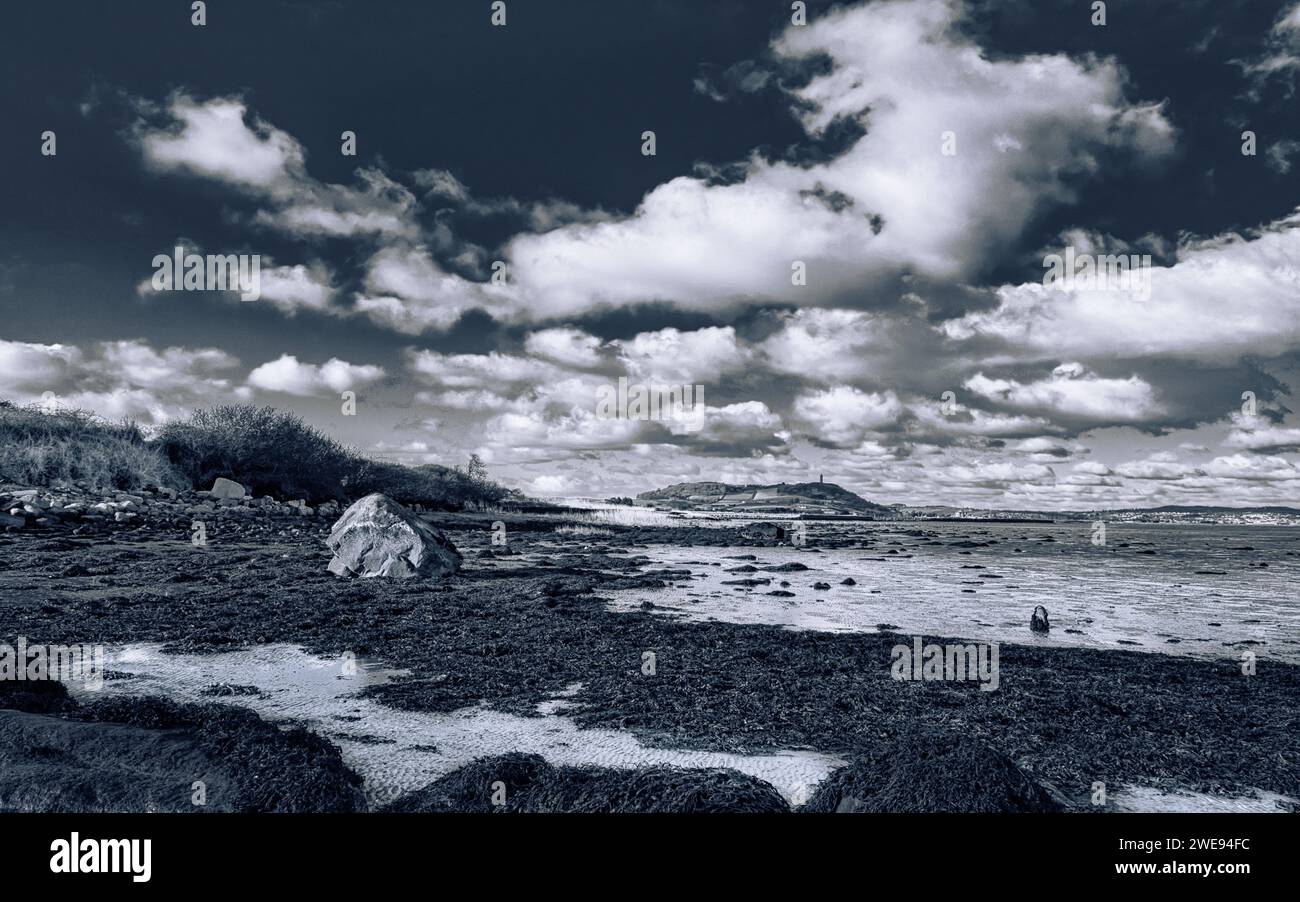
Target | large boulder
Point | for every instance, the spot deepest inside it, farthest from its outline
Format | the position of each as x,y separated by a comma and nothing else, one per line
376,536
227,488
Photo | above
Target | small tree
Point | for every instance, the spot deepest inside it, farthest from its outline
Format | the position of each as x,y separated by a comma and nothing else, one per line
476,470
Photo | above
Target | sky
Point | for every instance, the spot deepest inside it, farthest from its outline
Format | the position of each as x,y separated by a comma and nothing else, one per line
840,236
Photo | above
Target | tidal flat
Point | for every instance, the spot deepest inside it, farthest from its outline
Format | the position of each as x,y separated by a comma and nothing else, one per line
594,626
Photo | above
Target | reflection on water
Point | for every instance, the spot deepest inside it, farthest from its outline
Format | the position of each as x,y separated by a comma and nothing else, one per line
1185,590
395,751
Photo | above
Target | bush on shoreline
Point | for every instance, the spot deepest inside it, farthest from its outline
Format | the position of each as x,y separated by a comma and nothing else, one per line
427,484
269,451
40,447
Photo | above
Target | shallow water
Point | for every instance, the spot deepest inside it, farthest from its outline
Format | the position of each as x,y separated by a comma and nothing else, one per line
395,751
1140,591
1147,799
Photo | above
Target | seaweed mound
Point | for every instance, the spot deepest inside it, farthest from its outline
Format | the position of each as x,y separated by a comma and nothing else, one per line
932,772
35,696
527,784
153,754
471,789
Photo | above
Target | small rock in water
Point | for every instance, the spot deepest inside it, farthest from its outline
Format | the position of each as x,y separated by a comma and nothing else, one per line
848,581
821,586
376,536
1038,622
763,532
226,689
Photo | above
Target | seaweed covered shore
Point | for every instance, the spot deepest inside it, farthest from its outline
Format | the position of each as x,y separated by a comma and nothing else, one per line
523,621
151,754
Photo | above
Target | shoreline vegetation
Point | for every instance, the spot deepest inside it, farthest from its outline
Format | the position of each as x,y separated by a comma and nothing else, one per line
274,452
526,619
268,451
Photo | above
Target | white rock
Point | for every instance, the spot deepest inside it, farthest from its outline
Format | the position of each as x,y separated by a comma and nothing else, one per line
227,488
376,536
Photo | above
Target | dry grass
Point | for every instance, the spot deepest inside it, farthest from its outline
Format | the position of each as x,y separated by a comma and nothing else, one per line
51,447
571,530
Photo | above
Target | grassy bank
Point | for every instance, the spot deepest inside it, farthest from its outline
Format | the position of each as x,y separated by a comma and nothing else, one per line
271,452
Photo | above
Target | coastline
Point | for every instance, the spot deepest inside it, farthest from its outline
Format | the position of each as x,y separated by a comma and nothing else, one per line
514,628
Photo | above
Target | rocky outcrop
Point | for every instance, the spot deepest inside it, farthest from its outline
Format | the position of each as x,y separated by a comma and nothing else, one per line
376,536
84,509
763,533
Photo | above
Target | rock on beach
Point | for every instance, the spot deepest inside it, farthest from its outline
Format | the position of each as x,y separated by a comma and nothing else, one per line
376,536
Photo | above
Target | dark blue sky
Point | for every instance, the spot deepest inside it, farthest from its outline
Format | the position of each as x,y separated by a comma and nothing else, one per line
549,111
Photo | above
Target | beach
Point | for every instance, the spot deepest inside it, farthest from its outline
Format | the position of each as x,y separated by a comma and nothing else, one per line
587,632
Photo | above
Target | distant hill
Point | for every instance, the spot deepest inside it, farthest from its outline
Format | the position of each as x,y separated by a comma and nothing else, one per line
1212,509
800,497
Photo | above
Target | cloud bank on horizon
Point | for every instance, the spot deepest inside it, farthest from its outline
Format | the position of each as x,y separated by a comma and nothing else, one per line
920,359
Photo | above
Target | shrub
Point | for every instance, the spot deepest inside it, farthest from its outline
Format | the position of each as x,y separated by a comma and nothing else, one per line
268,451
427,484
48,447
